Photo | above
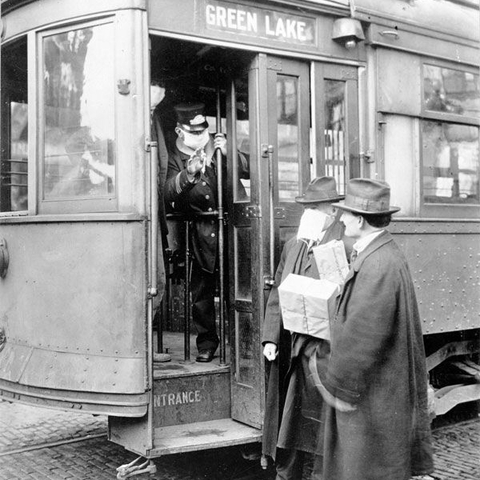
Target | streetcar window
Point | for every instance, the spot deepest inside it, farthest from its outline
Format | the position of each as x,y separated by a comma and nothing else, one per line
451,91
78,114
14,161
241,181
451,164
335,131
288,137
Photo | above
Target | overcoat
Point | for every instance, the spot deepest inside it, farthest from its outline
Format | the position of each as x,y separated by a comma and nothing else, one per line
378,363
293,409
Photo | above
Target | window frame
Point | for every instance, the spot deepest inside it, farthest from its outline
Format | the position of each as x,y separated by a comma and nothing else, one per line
6,124
62,205
444,209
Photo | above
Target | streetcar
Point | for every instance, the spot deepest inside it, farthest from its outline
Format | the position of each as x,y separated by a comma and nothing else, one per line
90,294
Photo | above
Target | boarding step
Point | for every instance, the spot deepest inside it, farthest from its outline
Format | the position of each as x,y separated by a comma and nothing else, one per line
202,435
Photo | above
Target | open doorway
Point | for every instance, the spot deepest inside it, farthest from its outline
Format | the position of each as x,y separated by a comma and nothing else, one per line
216,80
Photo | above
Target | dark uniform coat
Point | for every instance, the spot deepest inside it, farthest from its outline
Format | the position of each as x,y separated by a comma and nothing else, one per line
293,408
185,197
378,363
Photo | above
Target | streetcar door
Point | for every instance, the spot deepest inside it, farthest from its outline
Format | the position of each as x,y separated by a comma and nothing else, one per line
277,145
300,121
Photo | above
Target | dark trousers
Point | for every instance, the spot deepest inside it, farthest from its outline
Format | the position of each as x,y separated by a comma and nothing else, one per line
203,306
298,465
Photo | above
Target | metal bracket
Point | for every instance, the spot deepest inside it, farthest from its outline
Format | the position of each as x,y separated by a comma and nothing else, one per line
253,211
130,469
4,258
367,156
123,86
149,144
279,213
268,281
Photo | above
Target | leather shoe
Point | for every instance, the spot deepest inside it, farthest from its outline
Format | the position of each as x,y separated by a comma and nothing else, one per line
205,355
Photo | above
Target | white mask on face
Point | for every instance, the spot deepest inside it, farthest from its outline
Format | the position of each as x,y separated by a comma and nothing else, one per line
312,224
195,141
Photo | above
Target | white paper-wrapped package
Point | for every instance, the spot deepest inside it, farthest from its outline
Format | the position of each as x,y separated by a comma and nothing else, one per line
307,304
331,261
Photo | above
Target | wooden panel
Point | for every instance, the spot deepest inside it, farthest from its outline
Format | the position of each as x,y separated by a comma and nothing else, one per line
192,398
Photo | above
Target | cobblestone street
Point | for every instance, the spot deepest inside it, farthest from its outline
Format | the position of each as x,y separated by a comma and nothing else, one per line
40,444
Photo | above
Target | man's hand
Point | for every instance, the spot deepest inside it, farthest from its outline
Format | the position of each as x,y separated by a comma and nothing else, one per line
220,142
196,162
270,351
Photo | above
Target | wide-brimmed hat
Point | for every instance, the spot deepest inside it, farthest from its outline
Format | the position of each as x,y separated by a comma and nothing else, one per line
367,197
319,190
191,117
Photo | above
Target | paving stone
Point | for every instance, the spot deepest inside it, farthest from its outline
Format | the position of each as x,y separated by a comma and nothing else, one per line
456,449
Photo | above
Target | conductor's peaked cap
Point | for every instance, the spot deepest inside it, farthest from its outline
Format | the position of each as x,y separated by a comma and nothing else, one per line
191,116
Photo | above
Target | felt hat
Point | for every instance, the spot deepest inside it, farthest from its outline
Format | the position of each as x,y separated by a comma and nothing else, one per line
367,197
191,116
319,190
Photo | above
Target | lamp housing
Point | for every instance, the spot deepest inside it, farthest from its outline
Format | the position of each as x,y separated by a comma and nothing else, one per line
348,32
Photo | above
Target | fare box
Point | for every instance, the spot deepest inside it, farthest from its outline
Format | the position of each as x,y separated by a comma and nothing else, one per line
307,304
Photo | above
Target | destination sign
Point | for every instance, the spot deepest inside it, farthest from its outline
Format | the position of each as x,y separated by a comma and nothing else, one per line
256,22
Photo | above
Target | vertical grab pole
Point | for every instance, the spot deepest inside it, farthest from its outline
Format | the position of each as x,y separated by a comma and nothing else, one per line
187,303
272,212
221,266
153,290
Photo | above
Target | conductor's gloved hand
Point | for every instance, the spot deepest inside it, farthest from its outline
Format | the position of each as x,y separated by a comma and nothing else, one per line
196,162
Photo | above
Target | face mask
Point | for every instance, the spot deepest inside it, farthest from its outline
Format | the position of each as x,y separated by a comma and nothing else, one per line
312,224
195,141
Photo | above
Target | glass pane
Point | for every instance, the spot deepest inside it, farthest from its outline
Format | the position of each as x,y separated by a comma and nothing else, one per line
288,138
335,132
451,91
242,176
246,369
14,165
243,265
79,115
451,164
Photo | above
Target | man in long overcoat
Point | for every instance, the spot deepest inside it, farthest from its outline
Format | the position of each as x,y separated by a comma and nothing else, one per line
293,413
377,424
